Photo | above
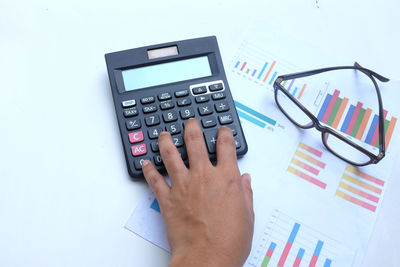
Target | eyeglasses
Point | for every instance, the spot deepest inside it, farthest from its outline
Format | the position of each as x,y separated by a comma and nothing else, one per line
335,141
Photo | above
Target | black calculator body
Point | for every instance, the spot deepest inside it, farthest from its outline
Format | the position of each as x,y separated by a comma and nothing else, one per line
157,88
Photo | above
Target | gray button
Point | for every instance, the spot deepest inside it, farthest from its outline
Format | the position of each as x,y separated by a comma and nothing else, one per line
128,103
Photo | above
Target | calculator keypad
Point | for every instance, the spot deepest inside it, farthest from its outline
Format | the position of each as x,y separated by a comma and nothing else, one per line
168,111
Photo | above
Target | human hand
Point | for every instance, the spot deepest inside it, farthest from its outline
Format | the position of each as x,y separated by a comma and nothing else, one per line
208,210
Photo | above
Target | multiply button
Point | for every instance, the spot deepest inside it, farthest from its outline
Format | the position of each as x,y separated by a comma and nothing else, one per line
139,150
205,110
136,137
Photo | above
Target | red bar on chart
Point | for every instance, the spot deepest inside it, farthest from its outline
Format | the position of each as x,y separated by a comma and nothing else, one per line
316,253
288,245
354,118
244,65
330,106
375,137
299,257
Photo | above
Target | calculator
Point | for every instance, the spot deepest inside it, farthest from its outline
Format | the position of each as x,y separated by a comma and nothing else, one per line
157,88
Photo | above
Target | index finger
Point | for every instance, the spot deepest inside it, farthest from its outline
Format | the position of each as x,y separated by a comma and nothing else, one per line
226,148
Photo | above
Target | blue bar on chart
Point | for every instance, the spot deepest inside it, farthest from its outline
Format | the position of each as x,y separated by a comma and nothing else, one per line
262,70
324,107
254,72
316,253
371,131
237,64
327,263
347,118
294,91
273,78
256,114
251,119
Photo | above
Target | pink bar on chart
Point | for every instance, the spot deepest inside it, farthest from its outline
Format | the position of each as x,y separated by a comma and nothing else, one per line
313,261
312,150
305,166
330,106
244,65
375,137
269,253
297,262
354,118
284,255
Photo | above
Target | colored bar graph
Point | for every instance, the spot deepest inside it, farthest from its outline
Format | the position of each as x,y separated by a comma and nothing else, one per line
339,115
309,159
365,175
302,91
237,64
255,113
268,255
353,119
389,131
305,166
372,129
324,107
316,253
306,177
334,112
288,245
244,65
347,119
155,206
272,78
364,123
357,124
362,184
375,136
359,192
330,106
310,149
299,257
356,201
327,263
262,70
269,71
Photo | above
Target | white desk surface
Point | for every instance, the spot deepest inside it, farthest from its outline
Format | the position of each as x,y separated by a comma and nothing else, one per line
64,191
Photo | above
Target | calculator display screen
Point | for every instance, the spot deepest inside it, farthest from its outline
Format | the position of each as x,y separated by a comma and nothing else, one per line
164,73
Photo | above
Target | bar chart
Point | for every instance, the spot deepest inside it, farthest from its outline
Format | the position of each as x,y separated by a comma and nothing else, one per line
259,66
288,242
360,188
253,116
307,165
355,120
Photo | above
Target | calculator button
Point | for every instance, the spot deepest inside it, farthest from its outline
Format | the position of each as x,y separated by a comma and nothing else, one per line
221,106
133,124
187,113
170,116
164,96
178,141
173,128
183,152
152,120
130,112
128,103
139,150
167,105
211,140
199,90
154,132
209,121
138,163
233,128
158,160
202,98
205,110
147,100
184,102
154,146
149,108
237,142
136,137
182,93
215,87
218,96
225,119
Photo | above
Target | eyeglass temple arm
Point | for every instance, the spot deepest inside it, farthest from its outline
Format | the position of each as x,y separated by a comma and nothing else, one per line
317,71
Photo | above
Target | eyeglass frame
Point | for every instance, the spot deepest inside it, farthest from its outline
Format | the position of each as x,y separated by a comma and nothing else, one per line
326,130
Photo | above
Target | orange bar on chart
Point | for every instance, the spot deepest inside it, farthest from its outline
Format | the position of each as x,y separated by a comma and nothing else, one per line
269,71
340,113
302,91
389,131
364,124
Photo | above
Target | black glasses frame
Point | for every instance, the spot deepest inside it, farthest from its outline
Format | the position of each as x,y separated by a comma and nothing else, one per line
326,130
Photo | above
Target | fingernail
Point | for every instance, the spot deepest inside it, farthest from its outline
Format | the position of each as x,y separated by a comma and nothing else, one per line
145,162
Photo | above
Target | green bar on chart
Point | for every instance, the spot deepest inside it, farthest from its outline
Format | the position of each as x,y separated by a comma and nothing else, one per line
358,122
334,111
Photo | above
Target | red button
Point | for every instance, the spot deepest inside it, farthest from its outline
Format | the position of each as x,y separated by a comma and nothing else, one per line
136,137
139,150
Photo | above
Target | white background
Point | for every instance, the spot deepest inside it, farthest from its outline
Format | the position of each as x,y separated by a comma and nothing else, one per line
64,190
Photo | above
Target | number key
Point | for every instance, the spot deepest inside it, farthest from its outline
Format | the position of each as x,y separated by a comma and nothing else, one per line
178,141
173,128
154,132
152,120
170,116
187,113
